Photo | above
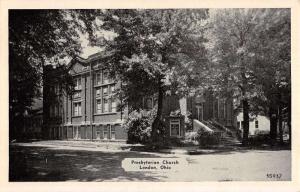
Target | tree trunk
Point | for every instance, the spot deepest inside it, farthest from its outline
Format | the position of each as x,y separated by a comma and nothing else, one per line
157,122
280,123
289,121
273,123
245,100
246,121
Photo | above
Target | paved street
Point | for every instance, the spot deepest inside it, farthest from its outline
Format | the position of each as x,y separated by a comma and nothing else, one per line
33,162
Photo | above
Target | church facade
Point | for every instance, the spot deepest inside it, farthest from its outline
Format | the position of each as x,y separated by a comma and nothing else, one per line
92,112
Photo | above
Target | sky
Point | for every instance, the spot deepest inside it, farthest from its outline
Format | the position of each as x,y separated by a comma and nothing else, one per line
87,49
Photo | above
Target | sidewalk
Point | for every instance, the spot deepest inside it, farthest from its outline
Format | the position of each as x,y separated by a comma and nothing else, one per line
58,161
109,146
124,147
87,145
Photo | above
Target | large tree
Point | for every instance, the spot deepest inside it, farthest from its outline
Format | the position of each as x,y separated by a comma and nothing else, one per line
153,51
271,53
232,29
36,38
251,54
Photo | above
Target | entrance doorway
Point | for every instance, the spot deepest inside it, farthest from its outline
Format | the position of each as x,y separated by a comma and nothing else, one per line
199,112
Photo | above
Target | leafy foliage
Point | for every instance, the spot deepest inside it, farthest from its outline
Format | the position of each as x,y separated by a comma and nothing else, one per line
208,138
262,38
251,56
36,38
153,47
138,125
153,50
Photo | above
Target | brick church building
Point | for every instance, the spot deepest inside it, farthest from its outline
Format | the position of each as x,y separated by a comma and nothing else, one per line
93,112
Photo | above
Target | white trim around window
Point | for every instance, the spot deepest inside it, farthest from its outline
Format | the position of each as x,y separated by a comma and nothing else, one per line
174,123
77,83
77,109
98,106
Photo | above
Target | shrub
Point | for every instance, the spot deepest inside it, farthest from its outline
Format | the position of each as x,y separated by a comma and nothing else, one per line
188,121
191,136
208,138
174,141
261,132
138,125
259,139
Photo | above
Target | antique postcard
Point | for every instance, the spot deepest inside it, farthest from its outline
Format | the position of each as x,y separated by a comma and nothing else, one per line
130,95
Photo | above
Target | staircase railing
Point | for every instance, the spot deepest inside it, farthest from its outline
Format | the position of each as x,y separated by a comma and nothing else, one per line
210,125
202,126
227,136
228,131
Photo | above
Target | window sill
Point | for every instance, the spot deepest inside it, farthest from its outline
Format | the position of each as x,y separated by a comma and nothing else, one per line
103,84
106,113
105,96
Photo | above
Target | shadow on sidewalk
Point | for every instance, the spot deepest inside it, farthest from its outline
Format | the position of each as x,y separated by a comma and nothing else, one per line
47,164
217,149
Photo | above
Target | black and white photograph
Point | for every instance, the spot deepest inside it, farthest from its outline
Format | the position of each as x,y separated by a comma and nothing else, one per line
150,95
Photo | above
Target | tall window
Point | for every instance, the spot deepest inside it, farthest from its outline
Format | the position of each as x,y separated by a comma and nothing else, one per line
99,106
56,89
78,83
56,110
113,105
221,109
148,103
103,93
51,111
98,132
112,88
98,92
256,124
105,77
98,78
105,132
77,95
79,132
77,109
112,132
76,132
105,90
175,127
215,109
105,103
200,112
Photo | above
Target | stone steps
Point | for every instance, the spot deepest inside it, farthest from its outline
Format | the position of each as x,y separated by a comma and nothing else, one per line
228,136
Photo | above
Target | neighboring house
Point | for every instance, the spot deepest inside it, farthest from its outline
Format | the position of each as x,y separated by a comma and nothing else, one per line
257,125
33,120
92,112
